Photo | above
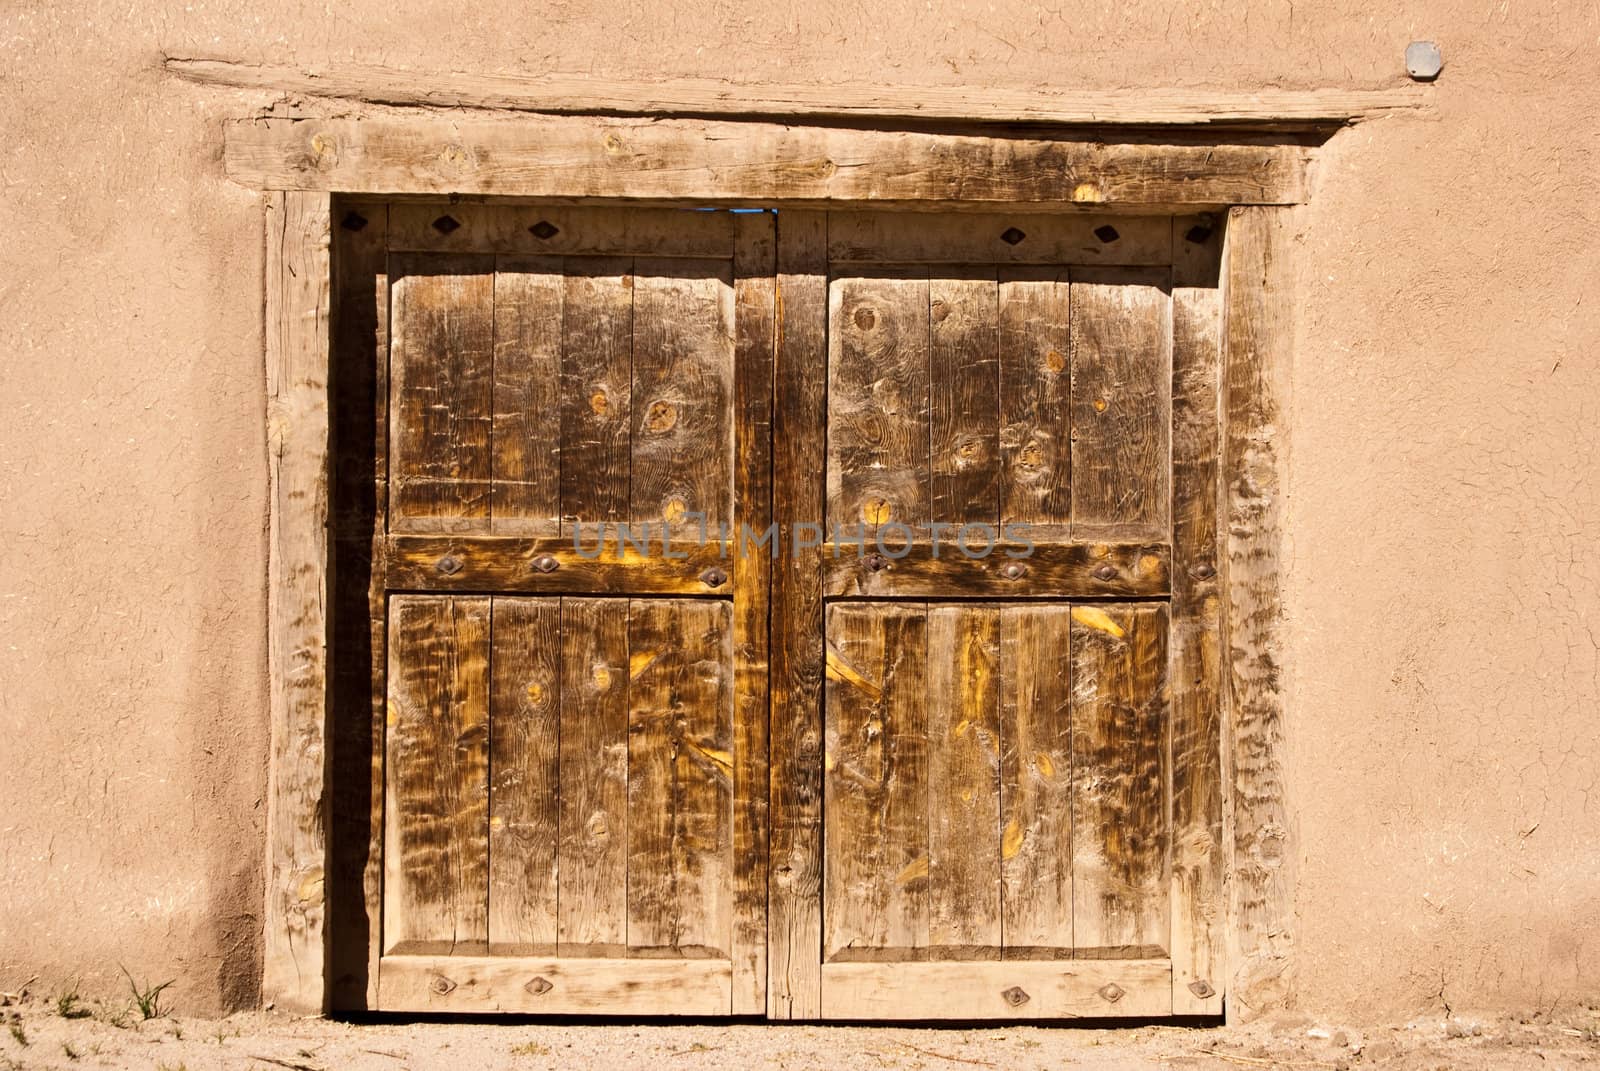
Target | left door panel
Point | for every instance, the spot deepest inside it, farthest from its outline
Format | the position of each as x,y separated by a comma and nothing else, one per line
567,788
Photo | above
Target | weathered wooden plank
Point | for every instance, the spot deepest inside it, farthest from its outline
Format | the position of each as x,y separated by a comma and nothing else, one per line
750,163
588,95
963,675
1035,779
297,311
1035,449
441,403
682,391
755,316
596,391
1121,403
1067,989
592,856
875,902
594,566
878,400
1258,333
436,847
525,492
524,726
356,619
1120,876
680,778
963,362
985,238
546,986
799,460
559,230
1198,907
1008,571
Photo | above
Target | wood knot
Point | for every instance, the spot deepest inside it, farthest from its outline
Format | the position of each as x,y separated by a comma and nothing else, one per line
546,564
439,985
1111,992
1016,996
539,986
661,416
865,318
938,310
450,565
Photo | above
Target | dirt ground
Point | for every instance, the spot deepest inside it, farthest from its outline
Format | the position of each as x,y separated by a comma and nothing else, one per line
63,1031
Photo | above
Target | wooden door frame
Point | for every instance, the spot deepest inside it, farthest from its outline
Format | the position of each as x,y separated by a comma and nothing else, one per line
1253,180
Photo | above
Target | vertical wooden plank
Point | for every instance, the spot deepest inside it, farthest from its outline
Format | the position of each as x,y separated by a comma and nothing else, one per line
1198,908
357,616
755,312
1120,905
524,727
878,400
436,847
963,781
1035,451
1257,332
963,359
526,464
682,390
794,966
442,382
1035,781
596,390
592,856
1121,402
680,778
297,294
875,901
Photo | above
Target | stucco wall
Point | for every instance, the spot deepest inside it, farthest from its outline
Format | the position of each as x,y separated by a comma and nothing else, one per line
1443,586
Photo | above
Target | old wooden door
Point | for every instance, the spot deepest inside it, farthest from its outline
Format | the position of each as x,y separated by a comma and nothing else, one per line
991,447
1009,429
571,766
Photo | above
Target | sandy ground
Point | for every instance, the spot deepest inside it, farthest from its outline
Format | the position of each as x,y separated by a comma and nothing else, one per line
42,1032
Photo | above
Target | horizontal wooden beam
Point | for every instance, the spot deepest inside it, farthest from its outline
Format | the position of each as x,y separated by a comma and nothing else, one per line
749,163
582,95
548,986
1044,571
1063,989
554,566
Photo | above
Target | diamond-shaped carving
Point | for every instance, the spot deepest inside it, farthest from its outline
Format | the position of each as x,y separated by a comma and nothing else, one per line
1199,234
353,221
1107,233
446,224
544,230
539,986
1012,236
1111,991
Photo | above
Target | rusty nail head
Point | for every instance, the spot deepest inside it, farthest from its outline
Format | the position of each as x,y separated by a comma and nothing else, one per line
875,563
449,565
1105,572
714,577
546,564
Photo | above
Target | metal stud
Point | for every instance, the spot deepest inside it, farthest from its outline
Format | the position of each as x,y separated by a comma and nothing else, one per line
1111,992
1199,234
544,230
546,564
445,224
539,986
1107,233
1012,236
1204,571
1424,61
875,563
1106,572
450,565
1201,988
440,985
714,577
1016,996
353,221
1014,571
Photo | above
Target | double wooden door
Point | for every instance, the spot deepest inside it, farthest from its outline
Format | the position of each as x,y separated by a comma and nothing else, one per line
952,479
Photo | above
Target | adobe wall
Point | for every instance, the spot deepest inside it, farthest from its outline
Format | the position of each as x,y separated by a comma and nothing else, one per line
1443,585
